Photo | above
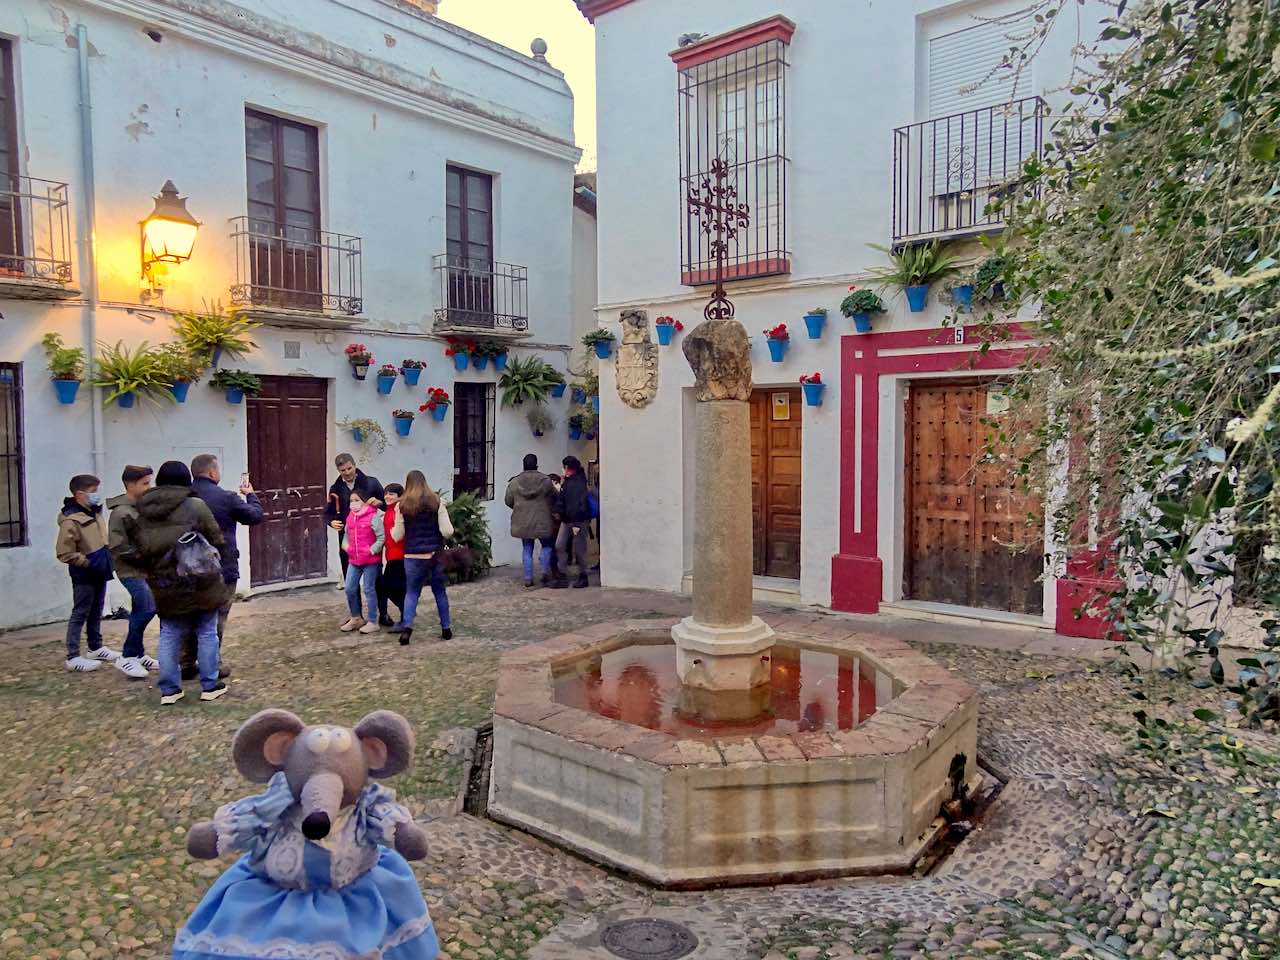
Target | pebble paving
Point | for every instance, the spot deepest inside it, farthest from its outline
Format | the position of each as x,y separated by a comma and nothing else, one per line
1094,847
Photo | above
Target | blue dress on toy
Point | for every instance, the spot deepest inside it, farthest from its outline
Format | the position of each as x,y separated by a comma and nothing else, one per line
346,897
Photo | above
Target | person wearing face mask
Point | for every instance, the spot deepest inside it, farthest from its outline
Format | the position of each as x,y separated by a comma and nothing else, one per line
82,546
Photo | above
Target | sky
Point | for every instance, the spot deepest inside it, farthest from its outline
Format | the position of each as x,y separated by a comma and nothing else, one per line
570,48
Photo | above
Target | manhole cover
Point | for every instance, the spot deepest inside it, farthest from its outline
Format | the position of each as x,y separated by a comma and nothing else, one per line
648,939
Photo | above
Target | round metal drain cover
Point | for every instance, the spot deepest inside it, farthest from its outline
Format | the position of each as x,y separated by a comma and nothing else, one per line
648,939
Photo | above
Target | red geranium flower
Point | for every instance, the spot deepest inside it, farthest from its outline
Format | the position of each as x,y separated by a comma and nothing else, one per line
811,378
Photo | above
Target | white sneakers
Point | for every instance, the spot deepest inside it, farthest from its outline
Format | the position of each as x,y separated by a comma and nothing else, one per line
105,654
135,668
151,663
81,664
132,668
171,698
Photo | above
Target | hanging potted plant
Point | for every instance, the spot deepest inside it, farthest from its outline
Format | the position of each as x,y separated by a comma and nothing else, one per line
460,351
388,374
66,367
412,370
914,268
667,327
437,403
481,354
962,294
859,305
366,431
988,279
359,357
213,336
181,368
126,374
812,385
403,421
578,423
500,358
814,321
578,394
236,384
601,341
540,421
527,379
555,380
778,339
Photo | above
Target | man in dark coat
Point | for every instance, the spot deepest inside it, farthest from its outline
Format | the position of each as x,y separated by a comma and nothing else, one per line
574,507
350,477
530,495
167,514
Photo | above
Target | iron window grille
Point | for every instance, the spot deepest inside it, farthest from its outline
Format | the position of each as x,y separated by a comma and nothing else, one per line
295,268
13,498
733,107
35,229
481,294
473,439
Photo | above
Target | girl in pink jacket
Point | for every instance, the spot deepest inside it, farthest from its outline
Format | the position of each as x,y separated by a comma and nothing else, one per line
364,533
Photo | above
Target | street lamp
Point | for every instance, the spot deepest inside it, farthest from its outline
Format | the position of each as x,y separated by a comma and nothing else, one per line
168,234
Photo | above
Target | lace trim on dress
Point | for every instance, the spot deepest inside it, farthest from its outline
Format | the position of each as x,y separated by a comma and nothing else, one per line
252,824
283,949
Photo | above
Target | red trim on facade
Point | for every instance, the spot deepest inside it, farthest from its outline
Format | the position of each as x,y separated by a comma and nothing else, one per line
594,8
1083,593
738,271
776,27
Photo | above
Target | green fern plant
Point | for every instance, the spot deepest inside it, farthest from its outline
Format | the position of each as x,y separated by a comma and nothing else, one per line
915,265
471,530
141,371
530,379
214,334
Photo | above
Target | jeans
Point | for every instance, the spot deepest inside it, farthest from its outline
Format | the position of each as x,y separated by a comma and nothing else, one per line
417,574
365,575
579,541
379,588
142,610
548,546
394,583
189,651
87,601
173,630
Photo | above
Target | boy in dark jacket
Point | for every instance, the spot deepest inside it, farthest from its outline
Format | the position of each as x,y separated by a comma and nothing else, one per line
82,546
573,504
142,608
165,515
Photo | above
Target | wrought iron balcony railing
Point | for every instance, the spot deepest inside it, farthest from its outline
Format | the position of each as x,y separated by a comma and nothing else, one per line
947,171
35,230
481,294
288,267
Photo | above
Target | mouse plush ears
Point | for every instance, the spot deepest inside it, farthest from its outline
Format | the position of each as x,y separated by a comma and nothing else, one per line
262,743
388,741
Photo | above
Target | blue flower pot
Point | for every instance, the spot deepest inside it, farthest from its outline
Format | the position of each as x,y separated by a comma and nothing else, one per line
460,361
963,294
579,395
777,349
411,375
385,384
439,411
480,363
590,436
575,433
403,425
665,330
557,391
66,390
125,400
357,434
179,391
604,349
215,357
815,322
862,322
537,433
595,403
235,395
500,361
813,393
917,297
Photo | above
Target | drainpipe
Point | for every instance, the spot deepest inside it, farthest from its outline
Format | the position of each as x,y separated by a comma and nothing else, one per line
89,267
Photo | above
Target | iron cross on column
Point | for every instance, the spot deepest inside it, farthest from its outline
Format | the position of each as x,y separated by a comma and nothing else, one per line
721,215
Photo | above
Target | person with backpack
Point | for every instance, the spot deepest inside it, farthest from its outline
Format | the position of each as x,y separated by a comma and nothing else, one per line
575,506
422,524
176,542
82,546
363,537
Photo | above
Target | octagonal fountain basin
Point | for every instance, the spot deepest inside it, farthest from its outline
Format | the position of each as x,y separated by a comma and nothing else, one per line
853,748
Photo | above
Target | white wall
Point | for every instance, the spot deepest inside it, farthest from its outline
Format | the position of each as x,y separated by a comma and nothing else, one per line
396,97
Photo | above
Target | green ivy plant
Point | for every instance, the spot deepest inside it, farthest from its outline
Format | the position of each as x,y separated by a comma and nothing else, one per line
65,363
375,438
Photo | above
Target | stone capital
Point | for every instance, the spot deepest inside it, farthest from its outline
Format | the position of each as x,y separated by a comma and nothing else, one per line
720,355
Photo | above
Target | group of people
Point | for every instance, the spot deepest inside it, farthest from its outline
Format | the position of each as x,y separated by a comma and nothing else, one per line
171,540
553,514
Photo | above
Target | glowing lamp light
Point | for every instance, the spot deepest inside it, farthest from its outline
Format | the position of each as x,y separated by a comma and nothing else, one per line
169,232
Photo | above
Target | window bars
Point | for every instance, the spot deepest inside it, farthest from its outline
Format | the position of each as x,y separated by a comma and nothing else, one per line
291,267
35,229
474,440
13,502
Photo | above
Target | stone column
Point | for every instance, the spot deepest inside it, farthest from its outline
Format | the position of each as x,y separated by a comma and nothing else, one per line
722,648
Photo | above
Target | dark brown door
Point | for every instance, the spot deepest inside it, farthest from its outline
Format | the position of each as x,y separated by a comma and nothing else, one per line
775,482
10,187
283,160
473,439
469,244
288,434
968,537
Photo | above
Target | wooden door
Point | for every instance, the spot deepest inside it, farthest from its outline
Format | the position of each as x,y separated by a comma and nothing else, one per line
968,538
775,482
288,443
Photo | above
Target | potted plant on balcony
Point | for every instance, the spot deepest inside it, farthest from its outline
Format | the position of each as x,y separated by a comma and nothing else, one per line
859,305
460,351
359,357
181,367
601,341
236,384
814,321
366,431
437,403
667,327
527,379
812,385
387,376
214,335
540,420
403,420
66,366
555,381
914,268
412,370
578,423
778,338
126,374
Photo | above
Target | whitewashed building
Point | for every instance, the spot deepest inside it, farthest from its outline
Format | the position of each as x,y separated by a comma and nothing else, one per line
845,124
364,173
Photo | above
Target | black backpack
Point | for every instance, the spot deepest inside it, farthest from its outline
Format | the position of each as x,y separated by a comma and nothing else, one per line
197,563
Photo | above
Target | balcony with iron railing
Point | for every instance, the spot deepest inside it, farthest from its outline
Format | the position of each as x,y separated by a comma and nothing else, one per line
949,171
286,273
35,239
481,297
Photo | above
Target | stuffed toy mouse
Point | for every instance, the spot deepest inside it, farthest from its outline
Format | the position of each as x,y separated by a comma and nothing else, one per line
323,872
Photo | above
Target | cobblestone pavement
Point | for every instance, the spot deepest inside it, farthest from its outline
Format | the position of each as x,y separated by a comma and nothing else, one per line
1093,849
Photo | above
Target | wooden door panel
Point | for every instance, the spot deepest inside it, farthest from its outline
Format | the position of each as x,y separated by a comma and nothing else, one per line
759,477
775,489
